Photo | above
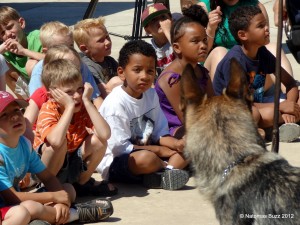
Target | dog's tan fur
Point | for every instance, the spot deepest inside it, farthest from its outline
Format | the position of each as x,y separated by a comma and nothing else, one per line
220,134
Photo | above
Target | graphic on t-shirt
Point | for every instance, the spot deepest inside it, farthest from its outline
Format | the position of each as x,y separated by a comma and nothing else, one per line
257,83
141,129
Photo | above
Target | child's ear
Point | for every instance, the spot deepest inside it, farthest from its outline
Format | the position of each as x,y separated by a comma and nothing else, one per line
147,30
22,22
242,35
176,48
83,48
121,73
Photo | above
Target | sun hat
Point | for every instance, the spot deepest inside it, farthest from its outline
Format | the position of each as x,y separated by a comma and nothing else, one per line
153,11
6,98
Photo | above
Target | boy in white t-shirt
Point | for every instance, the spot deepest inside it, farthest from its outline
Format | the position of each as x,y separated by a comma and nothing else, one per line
140,148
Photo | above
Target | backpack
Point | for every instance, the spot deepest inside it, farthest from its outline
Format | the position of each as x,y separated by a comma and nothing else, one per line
293,35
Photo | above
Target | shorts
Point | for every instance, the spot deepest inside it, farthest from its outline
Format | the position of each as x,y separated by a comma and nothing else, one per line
3,211
119,171
72,168
22,87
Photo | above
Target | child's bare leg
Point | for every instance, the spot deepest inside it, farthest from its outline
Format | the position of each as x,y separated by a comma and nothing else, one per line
213,59
93,151
40,211
17,215
178,161
54,158
144,162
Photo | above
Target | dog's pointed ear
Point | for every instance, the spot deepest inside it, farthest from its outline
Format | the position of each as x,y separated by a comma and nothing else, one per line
238,85
191,92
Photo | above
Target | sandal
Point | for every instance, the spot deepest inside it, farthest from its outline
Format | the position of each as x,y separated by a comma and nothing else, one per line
102,189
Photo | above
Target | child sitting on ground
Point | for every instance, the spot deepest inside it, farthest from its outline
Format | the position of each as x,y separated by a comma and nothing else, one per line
249,27
140,147
52,34
189,42
94,42
71,135
18,158
157,20
21,50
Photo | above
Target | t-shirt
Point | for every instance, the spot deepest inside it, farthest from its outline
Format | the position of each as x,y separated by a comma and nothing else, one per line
19,62
16,162
3,65
222,39
165,55
48,118
35,80
255,69
132,122
102,71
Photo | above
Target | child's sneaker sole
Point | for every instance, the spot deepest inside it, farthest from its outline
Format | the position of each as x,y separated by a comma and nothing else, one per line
169,179
289,132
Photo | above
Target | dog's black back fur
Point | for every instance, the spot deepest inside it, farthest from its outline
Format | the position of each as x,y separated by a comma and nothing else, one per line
246,183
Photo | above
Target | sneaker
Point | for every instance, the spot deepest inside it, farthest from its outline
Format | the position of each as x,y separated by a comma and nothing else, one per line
39,222
94,210
168,179
289,132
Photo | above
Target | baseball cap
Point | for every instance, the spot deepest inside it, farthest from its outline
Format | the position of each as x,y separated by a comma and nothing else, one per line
153,11
6,98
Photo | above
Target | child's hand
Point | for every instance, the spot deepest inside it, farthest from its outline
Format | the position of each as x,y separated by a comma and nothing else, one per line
62,98
215,17
165,25
290,107
14,47
288,118
61,197
2,48
88,91
62,213
179,144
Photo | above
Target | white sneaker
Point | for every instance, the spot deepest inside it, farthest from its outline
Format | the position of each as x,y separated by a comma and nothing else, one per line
289,132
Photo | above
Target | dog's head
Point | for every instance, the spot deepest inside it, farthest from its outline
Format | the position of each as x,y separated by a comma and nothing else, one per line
220,128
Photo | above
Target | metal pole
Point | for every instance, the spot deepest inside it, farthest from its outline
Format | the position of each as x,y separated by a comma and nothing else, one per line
275,139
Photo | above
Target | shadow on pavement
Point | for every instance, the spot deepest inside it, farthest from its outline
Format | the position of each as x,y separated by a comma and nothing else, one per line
36,14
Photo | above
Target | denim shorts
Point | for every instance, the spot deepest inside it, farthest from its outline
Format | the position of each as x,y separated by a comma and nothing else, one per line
72,168
119,171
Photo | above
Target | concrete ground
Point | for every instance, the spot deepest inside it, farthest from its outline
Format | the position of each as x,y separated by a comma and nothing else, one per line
135,205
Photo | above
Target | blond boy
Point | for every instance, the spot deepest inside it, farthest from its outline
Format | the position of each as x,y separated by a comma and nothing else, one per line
52,34
21,50
94,42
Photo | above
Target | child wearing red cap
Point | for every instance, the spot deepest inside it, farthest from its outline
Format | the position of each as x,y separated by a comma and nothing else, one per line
157,21
18,158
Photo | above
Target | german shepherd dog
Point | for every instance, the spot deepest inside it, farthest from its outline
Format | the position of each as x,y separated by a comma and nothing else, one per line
245,182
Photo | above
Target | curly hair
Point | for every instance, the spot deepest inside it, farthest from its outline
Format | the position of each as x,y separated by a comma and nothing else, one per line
135,47
193,14
240,19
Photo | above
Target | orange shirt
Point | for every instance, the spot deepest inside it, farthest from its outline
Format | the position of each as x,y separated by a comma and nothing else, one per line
48,118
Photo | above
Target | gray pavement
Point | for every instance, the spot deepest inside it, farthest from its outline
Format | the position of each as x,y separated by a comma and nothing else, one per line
135,204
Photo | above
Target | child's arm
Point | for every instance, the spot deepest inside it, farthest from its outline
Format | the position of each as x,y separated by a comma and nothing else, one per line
101,127
215,17
55,192
57,135
166,27
16,48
